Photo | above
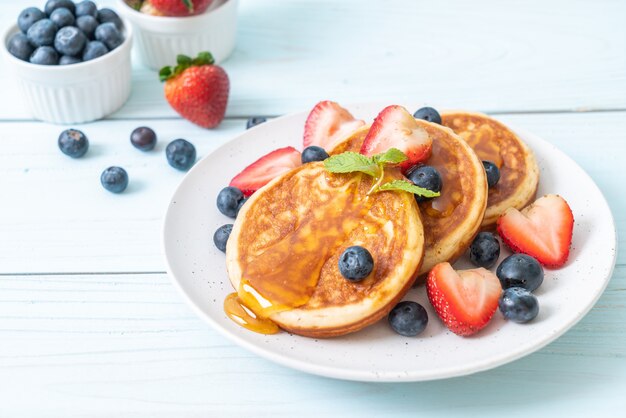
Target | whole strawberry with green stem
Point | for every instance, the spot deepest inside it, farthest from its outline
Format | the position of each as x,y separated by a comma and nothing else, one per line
197,89
181,7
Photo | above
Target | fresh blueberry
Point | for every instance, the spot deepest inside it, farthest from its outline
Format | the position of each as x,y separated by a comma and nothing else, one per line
228,200
356,263
62,17
518,305
108,34
86,8
181,154
73,142
241,203
520,270
19,46
114,179
408,318
428,114
67,60
426,177
70,40
143,138
52,5
257,120
493,173
29,16
88,25
106,15
313,153
220,237
42,32
484,250
45,55
93,50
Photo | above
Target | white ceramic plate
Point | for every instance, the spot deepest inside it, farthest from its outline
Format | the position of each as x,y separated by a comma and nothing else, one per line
377,353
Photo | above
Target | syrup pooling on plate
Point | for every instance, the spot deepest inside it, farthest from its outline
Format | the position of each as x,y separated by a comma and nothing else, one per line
238,312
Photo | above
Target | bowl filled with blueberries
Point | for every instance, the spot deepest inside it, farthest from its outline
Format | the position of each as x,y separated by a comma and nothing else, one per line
71,60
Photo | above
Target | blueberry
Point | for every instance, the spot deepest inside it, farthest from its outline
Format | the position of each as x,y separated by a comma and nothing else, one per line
257,120
108,34
181,154
408,318
67,60
88,25
62,17
484,250
428,114
220,237
493,173
106,15
114,179
520,270
45,55
518,305
313,153
356,263
93,50
70,40
143,138
228,200
42,32
86,8
19,46
241,203
426,177
29,16
73,142
52,5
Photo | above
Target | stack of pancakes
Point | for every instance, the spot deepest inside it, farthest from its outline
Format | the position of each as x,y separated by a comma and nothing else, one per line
284,248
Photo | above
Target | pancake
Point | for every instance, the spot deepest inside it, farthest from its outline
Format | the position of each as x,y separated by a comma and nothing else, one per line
282,254
451,220
493,141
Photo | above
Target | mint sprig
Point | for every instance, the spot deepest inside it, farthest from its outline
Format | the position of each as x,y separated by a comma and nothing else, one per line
407,186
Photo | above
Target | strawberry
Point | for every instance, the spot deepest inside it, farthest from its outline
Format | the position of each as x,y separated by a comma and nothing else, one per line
394,127
263,170
197,89
327,124
181,7
465,300
542,230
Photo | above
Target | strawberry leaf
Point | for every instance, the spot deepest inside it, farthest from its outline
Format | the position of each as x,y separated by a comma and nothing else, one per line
407,186
189,5
184,62
350,162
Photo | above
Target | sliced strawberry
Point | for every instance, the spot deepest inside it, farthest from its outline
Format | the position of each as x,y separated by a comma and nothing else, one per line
395,127
542,230
465,300
266,168
328,124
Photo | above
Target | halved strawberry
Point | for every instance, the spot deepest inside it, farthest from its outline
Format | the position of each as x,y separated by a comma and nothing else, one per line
542,230
266,168
395,127
327,124
465,300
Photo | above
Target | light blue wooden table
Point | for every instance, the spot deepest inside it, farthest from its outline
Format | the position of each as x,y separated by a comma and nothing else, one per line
90,324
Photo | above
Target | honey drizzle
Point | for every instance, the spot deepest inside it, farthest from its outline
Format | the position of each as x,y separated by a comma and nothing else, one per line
239,313
451,192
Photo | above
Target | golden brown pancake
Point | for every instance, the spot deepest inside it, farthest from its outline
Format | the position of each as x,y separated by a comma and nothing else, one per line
282,255
493,141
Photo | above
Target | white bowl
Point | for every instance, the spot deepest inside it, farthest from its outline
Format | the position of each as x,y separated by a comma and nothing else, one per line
160,39
74,93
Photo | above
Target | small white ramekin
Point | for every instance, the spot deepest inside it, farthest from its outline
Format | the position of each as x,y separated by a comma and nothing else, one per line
76,93
160,39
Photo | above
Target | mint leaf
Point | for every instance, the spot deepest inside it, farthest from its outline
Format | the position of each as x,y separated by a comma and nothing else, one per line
391,156
350,162
407,186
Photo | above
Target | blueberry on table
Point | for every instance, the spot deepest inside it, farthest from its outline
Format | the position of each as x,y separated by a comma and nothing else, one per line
493,173
257,120
88,25
181,154
86,8
220,237
356,263
518,305
313,153
19,47
70,40
408,318
42,33
108,34
428,114
45,55
426,177
93,50
484,250
62,17
143,138
106,15
29,16
520,270
114,179
73,142
228,201
68,60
